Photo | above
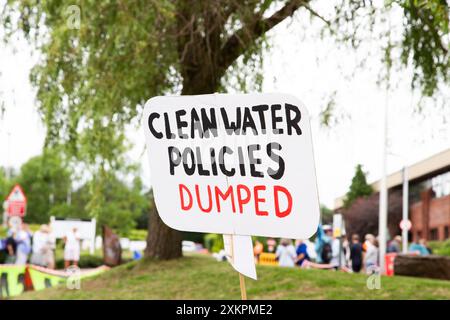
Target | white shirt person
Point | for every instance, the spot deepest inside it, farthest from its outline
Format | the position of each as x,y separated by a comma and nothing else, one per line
72,248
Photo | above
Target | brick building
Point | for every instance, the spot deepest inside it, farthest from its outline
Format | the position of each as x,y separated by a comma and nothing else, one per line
429,196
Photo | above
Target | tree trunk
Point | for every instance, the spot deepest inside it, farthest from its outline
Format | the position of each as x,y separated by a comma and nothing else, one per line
163,243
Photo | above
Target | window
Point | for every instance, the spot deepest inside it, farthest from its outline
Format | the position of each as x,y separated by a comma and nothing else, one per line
446,232
434,234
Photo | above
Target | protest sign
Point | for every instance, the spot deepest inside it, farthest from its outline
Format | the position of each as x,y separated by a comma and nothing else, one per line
233,164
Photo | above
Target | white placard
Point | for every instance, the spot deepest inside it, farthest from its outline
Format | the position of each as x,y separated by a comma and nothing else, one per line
239,251
85,228
237,164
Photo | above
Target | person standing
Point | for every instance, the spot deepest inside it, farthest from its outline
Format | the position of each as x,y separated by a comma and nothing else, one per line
271,244
38,247
49,255
346,249
285,253
356,254
395,245
323,244
43,248
11,248
72,248
23,240
302,253
257,250
337,254
371,257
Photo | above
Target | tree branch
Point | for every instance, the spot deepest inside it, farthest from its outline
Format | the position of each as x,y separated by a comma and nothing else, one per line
245,37
316,14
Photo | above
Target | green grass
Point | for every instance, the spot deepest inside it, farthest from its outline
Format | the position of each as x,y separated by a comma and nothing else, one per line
201,277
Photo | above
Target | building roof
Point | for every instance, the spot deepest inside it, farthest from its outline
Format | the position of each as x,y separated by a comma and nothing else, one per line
418,171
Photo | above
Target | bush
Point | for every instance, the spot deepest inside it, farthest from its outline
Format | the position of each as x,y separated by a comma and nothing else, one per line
441,248
138,235
86,261
2,232
214,242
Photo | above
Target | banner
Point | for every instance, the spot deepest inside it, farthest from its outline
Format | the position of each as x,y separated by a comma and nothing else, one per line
14,280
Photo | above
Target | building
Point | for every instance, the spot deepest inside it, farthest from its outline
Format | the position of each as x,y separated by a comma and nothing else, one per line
429,196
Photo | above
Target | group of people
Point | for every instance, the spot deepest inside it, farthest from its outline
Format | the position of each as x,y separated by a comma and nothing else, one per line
287,255
331,252
22,246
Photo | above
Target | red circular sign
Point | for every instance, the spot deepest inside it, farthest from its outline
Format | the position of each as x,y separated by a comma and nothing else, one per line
405,224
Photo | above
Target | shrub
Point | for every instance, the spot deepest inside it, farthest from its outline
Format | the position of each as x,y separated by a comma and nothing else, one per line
138,235
441,248
214,242
86,261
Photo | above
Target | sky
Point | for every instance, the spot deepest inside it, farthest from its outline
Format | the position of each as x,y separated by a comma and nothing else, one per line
298,63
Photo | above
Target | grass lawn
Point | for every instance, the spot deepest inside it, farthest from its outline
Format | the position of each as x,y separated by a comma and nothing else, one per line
201,277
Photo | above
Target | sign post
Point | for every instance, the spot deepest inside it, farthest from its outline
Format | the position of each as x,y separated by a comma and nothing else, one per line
242,284
339,232
241,276
239,253
405,207
383,197
237,165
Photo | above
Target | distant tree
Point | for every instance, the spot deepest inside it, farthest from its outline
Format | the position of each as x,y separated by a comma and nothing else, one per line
66,210
362,215
142,219
122,204
7,178
326,214
76,208
358,188
4,186
46,181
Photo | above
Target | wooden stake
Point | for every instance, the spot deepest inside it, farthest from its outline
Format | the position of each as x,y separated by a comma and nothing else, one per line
242,284
241,277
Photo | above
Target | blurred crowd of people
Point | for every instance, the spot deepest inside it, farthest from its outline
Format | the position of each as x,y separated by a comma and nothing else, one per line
331,252
22,246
